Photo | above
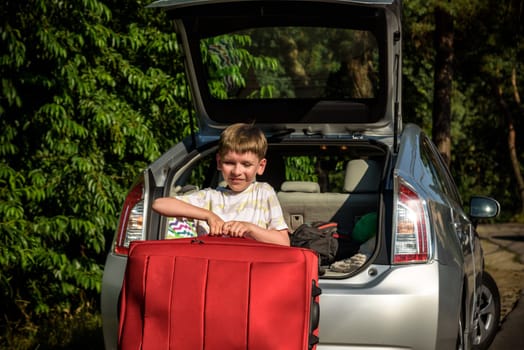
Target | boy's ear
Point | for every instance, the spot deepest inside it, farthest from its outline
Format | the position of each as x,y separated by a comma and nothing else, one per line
219,162
261,166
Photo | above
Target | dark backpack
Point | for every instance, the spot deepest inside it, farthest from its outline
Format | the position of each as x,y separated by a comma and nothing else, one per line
320,237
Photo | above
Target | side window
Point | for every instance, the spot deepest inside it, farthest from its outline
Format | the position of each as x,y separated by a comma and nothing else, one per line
440,172
195,174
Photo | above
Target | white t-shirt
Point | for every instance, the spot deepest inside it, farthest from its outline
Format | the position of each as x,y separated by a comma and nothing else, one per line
257,204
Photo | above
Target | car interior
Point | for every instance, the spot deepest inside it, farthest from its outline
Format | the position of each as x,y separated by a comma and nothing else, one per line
314,183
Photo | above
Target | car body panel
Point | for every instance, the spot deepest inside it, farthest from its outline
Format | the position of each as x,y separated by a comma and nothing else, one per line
401,300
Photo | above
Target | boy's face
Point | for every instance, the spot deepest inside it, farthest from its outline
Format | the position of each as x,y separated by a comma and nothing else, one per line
240,169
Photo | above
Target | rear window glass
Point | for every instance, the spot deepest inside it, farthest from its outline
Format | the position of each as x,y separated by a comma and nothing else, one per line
293,62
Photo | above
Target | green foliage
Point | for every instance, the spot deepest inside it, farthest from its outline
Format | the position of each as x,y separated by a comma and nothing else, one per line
490,48
91,92
301,169
417,67
488,43
235,49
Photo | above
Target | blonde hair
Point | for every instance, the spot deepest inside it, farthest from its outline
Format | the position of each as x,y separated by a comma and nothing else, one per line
242,138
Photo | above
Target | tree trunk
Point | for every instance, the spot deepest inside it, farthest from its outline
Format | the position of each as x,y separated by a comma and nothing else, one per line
443,82
512,135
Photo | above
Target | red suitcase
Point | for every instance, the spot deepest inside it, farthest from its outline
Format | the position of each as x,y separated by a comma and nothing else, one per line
219,293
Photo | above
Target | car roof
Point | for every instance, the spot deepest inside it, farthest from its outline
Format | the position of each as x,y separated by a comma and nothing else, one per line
211,32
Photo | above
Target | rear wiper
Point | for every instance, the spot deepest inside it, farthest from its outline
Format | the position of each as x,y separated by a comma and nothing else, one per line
279,134
309,132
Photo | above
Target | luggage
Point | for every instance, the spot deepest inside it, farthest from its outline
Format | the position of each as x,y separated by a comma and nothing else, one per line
219,293
320,237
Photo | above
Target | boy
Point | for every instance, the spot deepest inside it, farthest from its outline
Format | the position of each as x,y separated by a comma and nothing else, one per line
245,208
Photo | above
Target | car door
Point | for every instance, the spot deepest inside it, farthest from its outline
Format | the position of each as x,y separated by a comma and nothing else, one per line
461,224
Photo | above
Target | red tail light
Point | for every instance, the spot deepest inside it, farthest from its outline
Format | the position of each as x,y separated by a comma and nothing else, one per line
411,237
131,226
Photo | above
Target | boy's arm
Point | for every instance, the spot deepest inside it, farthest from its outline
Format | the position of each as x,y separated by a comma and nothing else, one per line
269,236
247,229
173,207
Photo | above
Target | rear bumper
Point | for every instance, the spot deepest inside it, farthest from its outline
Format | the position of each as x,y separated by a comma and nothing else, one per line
403,307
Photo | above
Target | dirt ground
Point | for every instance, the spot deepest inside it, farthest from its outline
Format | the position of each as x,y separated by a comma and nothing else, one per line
508,273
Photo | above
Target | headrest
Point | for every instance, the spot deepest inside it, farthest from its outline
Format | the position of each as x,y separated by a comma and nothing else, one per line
362,176
300,186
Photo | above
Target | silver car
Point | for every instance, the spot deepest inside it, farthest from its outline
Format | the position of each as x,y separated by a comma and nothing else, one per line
323,80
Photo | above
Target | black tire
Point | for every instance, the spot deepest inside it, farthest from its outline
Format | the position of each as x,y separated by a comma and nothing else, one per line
487,314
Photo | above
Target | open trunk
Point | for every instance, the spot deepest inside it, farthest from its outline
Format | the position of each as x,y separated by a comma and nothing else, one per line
315,182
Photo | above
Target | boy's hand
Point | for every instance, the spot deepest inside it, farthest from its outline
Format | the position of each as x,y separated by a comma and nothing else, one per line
236,228
215,223
249,230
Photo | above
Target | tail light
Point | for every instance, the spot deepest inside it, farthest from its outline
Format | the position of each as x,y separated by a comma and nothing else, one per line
131,225
411,236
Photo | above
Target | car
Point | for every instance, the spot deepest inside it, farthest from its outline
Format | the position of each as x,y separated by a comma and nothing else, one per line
322,79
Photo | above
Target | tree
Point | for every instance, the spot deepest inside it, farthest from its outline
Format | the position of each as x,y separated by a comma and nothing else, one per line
487,41
443,81
509,120
490,63
87,100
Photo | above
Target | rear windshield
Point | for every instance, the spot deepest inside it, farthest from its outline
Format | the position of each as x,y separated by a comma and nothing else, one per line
289,62
292,62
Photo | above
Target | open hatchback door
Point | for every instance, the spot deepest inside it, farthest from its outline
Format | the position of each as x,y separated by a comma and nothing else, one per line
328,68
